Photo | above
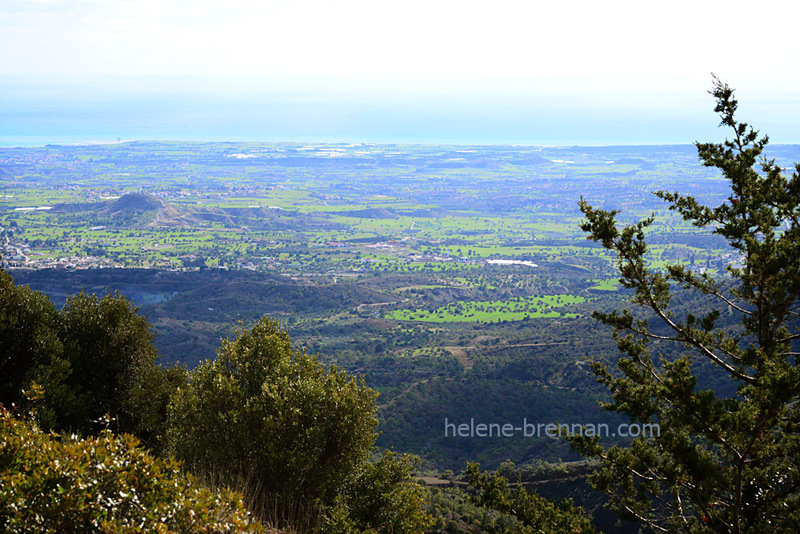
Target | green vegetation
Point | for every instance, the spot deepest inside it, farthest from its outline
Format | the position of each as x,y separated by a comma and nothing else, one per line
107,483
491,311
263,417
453,280
295,209
727,458
274,414
382,497
536,513
611,284
28,339
275,423
340,250
93,357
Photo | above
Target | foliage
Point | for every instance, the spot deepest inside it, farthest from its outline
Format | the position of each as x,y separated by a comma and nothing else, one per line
265,411
146,402
535,512
112,357
454,512
263,417
381,499
28,338
721,463
92,358
491,311
288,431
101,484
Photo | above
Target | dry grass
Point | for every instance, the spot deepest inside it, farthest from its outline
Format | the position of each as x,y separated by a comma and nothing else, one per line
278,514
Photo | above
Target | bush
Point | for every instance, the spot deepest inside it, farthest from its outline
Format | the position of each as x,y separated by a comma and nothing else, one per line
531,509
103,484
382,498
28,337
110,349
265,412
92,358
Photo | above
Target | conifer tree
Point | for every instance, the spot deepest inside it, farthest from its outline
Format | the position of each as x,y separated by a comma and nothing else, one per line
724,462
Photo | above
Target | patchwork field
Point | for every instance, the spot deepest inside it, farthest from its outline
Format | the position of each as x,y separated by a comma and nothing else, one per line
455,280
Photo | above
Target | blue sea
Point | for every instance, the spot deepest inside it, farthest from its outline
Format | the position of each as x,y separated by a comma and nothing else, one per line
37,111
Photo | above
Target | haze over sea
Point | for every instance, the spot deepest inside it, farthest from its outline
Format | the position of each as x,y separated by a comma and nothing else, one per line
37,110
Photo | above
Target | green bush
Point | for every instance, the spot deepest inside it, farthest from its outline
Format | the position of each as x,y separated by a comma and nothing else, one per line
92,358
531,509
103,484
110,349
28,338
294,435
265,412
382,498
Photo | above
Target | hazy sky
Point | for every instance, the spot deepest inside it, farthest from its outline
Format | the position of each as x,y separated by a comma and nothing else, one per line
630,58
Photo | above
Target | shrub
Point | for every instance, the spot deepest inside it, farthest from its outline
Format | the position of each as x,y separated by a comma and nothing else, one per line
93,357
263,411
103,484
382,498
27,336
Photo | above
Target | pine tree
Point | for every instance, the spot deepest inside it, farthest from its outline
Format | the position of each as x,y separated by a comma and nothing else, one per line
723,462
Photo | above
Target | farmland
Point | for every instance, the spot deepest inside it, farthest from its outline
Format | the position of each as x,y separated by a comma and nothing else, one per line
454,279
491,311
300,209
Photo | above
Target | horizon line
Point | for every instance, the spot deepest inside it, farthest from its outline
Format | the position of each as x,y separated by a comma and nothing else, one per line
89,143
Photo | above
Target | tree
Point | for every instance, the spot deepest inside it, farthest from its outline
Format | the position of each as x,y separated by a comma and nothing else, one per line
723,462
107,343
28,337
92,358
146,401
113,367
292,434
265,412
380,498
532,510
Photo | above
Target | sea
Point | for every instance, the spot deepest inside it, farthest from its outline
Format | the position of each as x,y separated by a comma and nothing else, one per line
35,112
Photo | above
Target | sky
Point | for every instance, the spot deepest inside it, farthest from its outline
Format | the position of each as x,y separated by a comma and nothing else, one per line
567,72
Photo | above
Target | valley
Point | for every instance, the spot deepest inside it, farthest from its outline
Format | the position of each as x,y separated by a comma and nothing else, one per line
455,280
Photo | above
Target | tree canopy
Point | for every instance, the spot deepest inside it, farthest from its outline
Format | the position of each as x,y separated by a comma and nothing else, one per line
28,337
536,513
93,357
265,410
723,462
263,417
276,423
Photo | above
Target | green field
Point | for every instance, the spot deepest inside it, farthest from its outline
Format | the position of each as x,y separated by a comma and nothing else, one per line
378,261
293,209
493,311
